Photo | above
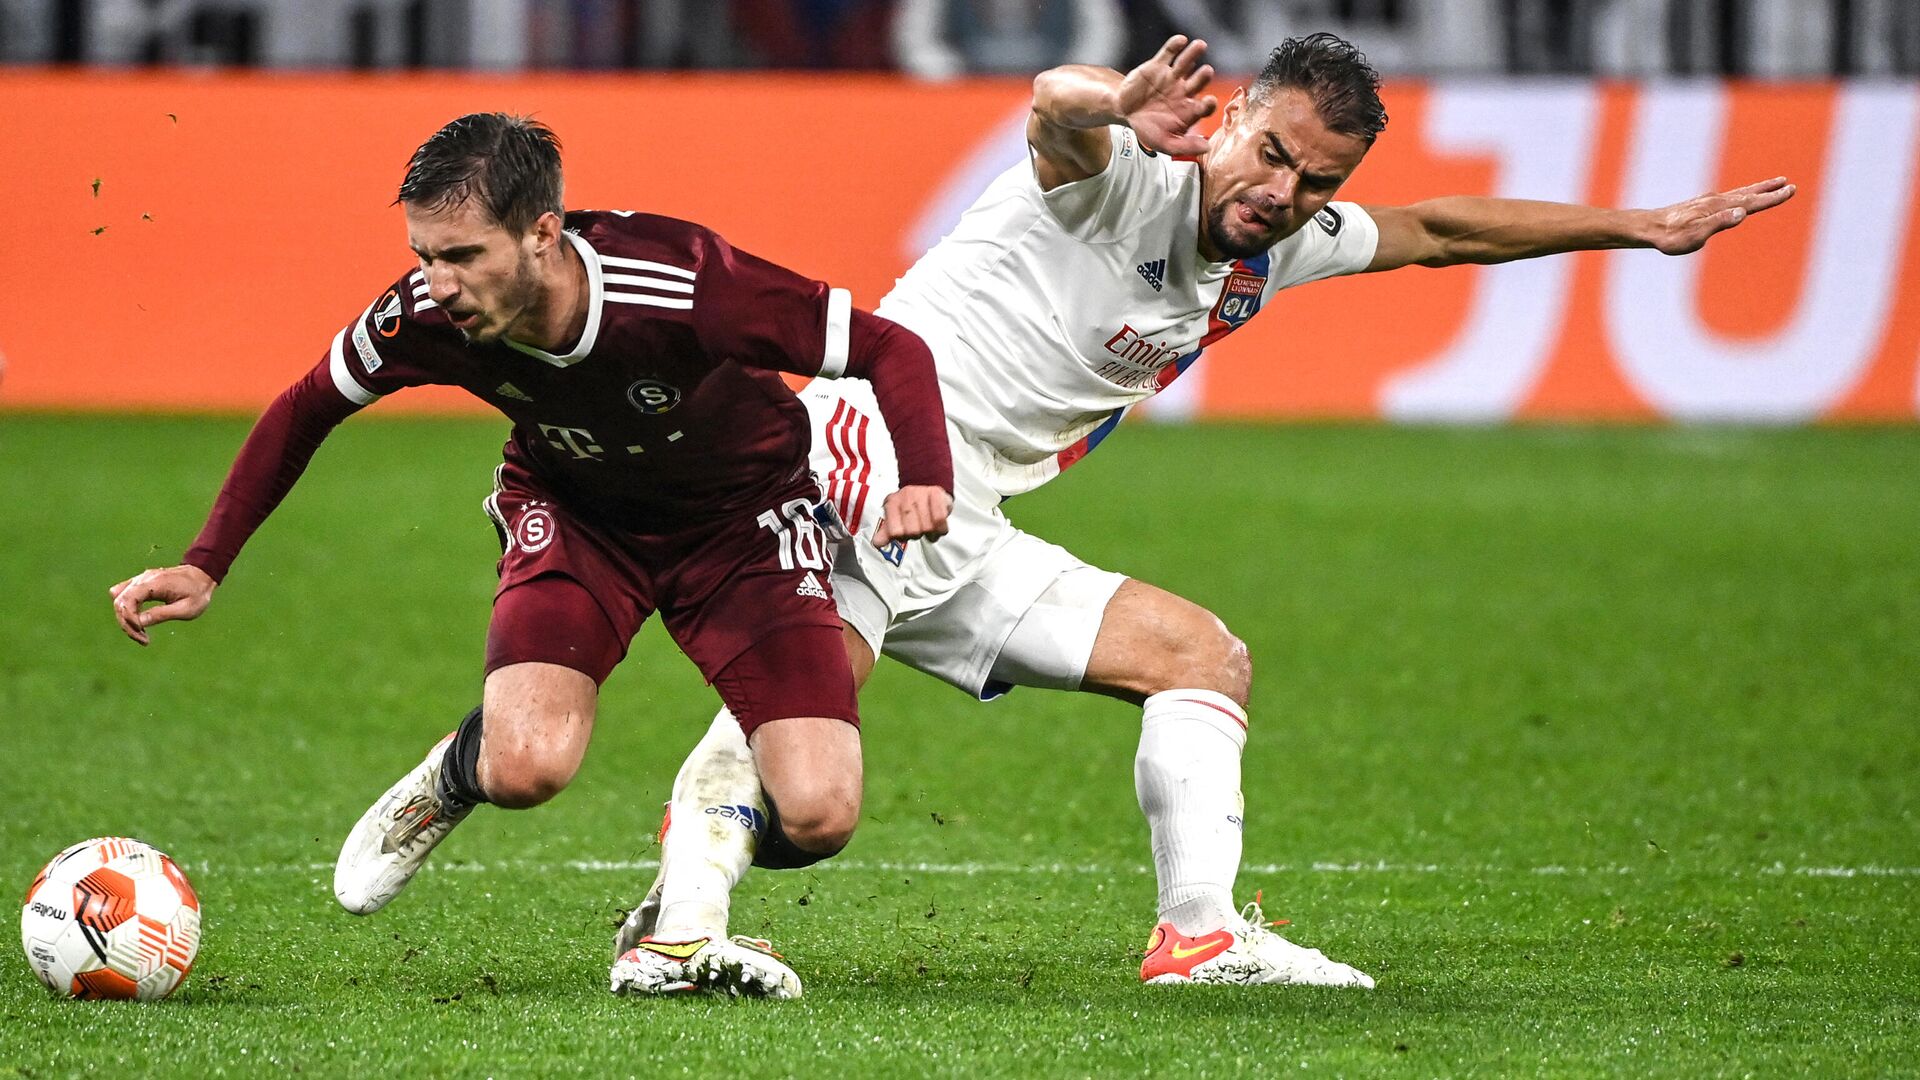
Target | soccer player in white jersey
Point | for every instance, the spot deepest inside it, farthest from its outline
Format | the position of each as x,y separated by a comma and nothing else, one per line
1080,284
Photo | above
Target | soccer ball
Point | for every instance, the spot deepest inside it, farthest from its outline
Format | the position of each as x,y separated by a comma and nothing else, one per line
111,918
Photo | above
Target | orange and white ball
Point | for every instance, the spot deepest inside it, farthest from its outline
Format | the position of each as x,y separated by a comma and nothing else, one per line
111,918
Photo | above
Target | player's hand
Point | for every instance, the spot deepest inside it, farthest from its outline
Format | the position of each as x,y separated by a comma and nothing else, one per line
1160,100
1683,228
182,592
913,513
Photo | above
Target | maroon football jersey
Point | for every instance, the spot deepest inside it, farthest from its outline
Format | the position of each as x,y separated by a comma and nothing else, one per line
670,408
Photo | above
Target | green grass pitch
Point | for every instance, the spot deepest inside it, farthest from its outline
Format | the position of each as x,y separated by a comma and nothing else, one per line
1600,749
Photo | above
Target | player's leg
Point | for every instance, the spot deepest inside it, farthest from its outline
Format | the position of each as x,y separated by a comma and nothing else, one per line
718,813
721,818
1034,615
519,749
747,600
809,764
1191,677
712,828
567,605
538,718
793,695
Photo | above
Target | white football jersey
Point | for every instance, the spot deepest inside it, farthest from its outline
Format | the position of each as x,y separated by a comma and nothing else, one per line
1050,314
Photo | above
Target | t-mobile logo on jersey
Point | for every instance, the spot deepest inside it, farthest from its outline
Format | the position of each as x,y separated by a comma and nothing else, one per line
576,441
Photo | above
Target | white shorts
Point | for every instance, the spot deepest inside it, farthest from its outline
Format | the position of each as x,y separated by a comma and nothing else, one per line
986,607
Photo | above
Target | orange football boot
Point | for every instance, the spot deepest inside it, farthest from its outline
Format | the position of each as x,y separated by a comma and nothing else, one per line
1171,953
1245,952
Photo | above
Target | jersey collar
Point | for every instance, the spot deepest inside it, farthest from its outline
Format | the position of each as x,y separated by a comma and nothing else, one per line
596,300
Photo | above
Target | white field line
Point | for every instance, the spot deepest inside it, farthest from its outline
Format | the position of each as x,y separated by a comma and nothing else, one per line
1110,870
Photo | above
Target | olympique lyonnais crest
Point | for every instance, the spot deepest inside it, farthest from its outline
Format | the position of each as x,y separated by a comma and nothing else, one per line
1240,299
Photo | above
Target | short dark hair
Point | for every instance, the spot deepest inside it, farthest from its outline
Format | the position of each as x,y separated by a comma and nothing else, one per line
1344,88
511,164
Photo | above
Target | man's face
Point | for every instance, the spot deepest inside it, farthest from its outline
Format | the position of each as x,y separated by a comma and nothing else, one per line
480,274
1272,167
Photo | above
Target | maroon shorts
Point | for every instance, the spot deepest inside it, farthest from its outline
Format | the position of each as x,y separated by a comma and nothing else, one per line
747,598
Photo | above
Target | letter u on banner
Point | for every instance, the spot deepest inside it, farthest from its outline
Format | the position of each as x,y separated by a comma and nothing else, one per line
1543,137
1683,368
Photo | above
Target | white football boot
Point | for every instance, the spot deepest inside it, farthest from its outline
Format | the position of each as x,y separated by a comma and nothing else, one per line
1246,954
390,842
740,966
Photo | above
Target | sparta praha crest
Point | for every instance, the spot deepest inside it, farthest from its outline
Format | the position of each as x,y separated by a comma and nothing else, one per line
111,918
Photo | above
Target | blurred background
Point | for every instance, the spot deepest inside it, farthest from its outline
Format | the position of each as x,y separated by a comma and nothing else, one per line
237,159
937,39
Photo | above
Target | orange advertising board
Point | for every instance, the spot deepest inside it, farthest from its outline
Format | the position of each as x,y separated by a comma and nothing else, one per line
193,241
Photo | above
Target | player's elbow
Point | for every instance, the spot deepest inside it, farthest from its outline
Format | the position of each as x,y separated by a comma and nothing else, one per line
1434,247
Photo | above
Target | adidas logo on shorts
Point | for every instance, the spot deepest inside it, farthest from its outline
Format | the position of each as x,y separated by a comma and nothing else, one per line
810,586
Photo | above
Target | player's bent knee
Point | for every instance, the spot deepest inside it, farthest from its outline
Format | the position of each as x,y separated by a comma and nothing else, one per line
527,778
811,834
807,747
523,789
818,814
823,828
810,768
539,717
1207,656
811,815
1237,671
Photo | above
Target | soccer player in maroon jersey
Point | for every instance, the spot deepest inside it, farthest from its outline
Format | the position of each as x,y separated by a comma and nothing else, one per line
657,462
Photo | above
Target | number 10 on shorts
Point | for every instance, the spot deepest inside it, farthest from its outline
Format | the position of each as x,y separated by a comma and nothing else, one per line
801,544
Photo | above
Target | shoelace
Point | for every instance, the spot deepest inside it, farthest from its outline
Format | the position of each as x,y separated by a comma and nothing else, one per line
415,818
1254,917
1257,923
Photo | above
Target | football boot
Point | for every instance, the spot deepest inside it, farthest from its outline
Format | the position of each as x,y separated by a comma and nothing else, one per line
390,842
1244,953
740,966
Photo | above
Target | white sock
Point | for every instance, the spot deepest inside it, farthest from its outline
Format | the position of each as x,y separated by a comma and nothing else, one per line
1187,774
718,813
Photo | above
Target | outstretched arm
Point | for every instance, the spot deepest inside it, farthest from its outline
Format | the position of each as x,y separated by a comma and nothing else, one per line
1160,100
1465,229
